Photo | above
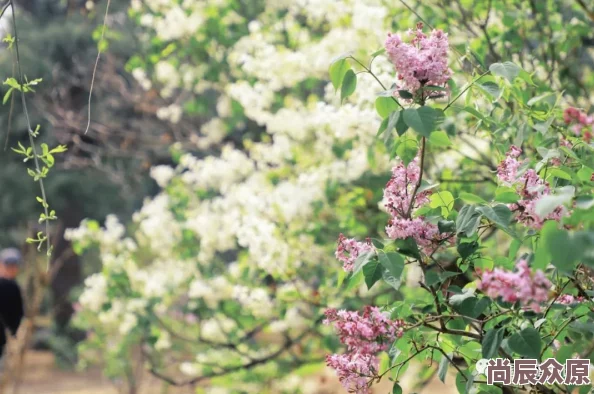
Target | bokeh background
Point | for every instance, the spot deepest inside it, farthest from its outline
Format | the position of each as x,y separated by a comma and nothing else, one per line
217,143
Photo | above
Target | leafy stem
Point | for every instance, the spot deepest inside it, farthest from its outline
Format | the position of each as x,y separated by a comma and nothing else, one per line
368,70
38,170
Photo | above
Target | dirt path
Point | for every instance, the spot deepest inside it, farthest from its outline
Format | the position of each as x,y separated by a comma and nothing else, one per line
42,376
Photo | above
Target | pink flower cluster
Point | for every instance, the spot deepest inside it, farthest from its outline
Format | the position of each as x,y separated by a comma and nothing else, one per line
530,289
349,249
530,187
423,61
365,336
398,197
568,299
582,123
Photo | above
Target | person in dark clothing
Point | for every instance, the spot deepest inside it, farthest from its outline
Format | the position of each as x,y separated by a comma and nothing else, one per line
11,300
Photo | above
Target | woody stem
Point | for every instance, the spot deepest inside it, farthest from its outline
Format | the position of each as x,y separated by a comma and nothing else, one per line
418,185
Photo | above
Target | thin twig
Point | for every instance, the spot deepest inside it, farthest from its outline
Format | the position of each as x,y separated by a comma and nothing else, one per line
97,64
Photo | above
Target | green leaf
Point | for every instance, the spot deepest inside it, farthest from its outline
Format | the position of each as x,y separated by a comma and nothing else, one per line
393,262
405,94
349,84
500,215
464,382
458,299
468,220
342,56
443,200
431,278
338,69
407,150
507,70
396,120
536,99
7,95
584,202
507,197
440,139
466,249
492,89
423,120
408,247
471,198
526,343
355,280
473,307
391,280
396,389
385,105
378,52
446,226
442,371
383,127
559,173
491,342
372,272
560,247
362,260
474,112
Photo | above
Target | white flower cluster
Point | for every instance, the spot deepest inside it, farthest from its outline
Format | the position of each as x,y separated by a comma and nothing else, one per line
265,202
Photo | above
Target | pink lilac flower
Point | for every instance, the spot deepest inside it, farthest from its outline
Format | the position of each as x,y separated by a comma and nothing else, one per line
530,289
530,187
398,198
583,124
568,299
423,61
364,336
399,189
349,249
507,171
354,370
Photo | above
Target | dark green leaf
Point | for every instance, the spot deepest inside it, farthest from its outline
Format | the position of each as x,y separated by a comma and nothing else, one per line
408,247
473,307
446,226
405,94
526,343
396,121
396,389
491,342
466,249
468,220
431,278
423,120
372,272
